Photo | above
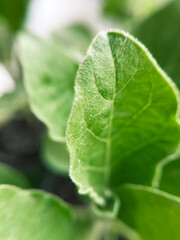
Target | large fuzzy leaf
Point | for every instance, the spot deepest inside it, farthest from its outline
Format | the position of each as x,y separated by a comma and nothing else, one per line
34,215
124,116
153,213
160,33
49,78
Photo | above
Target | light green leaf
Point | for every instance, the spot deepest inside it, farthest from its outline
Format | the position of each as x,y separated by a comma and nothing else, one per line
9,175
49,78
73,39
161,35
26,215
124,116
170,177
153,213
55,156
12,102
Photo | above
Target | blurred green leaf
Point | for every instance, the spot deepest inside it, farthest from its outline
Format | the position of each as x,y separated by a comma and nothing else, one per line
124,9
12,102
124,117
13,12
161,34
9,175
153,213
6,41
170,177
116,8
74,39
27,215
49,79
55,156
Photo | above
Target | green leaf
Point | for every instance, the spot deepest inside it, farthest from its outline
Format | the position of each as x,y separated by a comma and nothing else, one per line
34,215
81,36
116,8
55,156
161,35
153,213
170,177
49,79
6,41
14,13
12,102
9,175
124,116
126,9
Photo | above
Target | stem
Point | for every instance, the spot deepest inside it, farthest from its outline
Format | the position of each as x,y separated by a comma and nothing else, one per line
118,227
96,228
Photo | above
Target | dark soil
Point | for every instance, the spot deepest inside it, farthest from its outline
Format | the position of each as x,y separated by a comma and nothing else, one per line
20,142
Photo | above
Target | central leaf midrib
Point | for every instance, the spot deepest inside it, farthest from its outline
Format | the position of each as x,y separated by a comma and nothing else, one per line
109,137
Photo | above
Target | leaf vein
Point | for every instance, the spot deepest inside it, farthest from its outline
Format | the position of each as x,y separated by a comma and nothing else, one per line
140,111
109,142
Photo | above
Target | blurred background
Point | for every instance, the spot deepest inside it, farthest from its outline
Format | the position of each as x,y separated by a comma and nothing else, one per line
28,157
42,17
